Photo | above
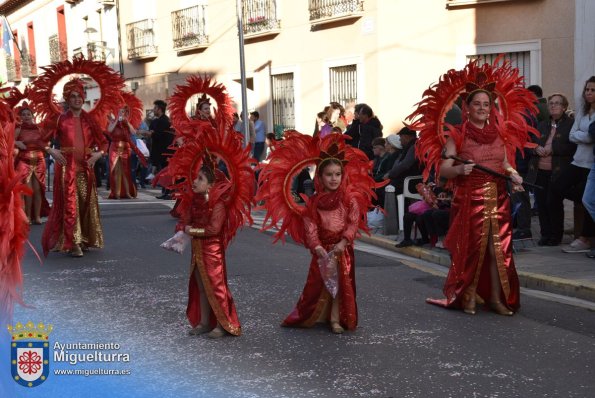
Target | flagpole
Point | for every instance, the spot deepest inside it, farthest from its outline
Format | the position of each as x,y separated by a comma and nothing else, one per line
245,119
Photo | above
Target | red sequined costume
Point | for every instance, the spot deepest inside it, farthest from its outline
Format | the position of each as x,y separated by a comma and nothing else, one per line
120,149
480,206
330,218
327,218
74,218
31,162
208,259
215,220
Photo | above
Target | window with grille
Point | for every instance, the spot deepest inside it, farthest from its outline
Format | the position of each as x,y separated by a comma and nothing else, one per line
343,84
520,60
283,102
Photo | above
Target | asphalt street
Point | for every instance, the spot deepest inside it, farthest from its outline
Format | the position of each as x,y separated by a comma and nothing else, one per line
134,293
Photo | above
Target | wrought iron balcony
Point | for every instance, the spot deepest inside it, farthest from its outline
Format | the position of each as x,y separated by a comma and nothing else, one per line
331,10
28,65
141,39
13,71
93,51
189,28
58,51
260,17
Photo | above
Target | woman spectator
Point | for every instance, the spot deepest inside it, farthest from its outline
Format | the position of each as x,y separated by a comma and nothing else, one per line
551,159
571,183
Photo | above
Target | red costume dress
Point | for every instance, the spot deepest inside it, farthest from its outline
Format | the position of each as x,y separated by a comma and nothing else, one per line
74,218
121,182
480,208
333,219
208,259
31,162
481,205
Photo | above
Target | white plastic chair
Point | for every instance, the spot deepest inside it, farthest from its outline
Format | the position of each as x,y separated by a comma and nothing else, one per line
406,194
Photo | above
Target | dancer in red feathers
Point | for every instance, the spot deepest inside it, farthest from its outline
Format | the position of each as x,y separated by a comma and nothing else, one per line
120,131
211,207
74,223
14,226
327,225
495,110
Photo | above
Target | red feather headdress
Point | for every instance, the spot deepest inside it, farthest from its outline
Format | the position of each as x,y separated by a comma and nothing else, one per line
513,107
14,226
237,191
109,81
288,159
135,108
199,85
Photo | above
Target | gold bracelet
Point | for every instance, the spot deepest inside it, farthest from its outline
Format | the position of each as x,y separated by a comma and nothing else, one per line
197,231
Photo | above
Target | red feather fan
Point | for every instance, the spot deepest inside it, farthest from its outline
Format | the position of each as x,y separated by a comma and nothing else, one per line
237,191
514,105
109,81
293,154
14,226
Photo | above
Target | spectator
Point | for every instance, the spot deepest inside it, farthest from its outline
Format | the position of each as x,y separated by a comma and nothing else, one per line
161,138
336,116
589,195
369,128
550,159
571,184
407,164
542,106
380,167
353,128
260,134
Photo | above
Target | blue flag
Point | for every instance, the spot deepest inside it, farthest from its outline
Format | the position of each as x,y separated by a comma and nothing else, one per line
6,38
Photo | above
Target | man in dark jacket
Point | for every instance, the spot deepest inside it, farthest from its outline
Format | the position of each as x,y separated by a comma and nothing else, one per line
368,129
407,164
161,138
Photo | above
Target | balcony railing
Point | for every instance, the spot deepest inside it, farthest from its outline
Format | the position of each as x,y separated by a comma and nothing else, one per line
58,51
189,28
93,51
260,16
321,10
141,39
29,67
12,73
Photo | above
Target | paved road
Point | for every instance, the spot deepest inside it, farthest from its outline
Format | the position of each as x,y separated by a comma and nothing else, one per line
133,293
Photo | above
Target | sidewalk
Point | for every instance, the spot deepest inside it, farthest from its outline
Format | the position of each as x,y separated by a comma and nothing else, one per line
539,267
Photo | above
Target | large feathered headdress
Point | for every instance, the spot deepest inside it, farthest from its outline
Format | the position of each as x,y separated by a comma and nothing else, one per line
289,158
203,85
513,107
135,108
109,81
236,188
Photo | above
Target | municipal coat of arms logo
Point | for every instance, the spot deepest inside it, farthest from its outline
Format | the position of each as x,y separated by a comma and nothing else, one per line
29,353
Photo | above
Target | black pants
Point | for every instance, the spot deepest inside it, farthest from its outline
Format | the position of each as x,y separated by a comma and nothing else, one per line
569,185
408,220
436,221
542,198
522,201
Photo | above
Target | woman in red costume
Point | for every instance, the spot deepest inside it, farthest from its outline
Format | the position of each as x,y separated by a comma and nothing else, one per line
31,142
212,207
120,131
327,226
74,224
480,235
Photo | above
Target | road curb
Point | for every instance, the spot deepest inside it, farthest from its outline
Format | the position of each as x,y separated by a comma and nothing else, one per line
531,280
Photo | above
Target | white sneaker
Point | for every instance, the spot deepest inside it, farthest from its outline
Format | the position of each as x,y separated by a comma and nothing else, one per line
577,246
